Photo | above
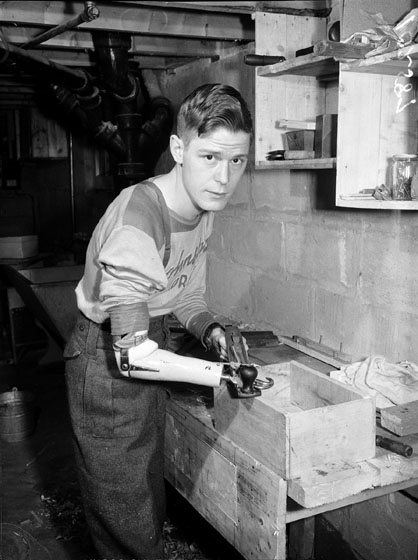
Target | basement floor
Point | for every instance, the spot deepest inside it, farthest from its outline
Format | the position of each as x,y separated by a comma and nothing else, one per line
41,515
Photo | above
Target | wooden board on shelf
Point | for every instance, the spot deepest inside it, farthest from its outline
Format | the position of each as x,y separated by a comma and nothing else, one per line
307,65
393,63
315,163
373,204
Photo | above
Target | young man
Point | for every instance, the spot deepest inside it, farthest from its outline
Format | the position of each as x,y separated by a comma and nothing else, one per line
146,259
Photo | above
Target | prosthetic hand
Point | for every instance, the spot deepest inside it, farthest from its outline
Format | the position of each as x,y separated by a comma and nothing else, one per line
139,357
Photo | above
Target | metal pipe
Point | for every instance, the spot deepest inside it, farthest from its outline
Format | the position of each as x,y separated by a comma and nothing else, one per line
43,68
90,12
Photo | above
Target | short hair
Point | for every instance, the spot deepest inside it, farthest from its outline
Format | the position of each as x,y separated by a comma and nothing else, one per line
211,106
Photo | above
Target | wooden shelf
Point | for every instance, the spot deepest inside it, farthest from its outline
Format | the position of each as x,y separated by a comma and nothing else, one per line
391,63
319,163
373,204
308,65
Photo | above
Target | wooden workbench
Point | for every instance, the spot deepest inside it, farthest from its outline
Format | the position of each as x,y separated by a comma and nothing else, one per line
248,503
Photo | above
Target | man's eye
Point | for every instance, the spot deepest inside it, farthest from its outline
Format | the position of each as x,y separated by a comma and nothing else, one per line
209,157
237,161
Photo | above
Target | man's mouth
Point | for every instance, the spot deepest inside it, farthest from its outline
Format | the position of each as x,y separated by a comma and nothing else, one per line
218,194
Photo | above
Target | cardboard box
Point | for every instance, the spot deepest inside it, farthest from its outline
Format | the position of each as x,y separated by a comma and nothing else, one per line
305,420
20,247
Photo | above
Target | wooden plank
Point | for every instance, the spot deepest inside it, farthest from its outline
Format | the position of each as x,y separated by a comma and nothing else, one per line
285,353
332,482
393,62
49,138
296,511
401,419
133,18
149,45
48,275
374,204
340,50
240,497
394,468
323,163
302,7
307,65
317,350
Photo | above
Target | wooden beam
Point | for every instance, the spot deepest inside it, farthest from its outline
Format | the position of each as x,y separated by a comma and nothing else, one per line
146,45
295,7
133,18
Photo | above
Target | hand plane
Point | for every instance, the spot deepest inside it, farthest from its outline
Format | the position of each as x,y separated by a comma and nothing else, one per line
241,375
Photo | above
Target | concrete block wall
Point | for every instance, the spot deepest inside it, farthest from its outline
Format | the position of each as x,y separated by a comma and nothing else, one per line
347,278
283,257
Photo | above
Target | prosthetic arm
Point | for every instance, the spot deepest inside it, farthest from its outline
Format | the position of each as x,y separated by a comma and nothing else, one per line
139,357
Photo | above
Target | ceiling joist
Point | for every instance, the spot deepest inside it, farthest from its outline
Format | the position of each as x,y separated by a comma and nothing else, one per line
134,18
146,45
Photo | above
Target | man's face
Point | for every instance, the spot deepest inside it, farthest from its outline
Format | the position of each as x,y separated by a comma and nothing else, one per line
213,164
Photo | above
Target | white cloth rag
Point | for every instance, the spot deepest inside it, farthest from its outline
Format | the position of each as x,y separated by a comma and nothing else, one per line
391,384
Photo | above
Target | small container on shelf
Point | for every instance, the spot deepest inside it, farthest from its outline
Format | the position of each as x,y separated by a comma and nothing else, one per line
402,170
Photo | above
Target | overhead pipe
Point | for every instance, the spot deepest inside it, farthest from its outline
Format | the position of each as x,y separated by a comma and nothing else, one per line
131,107
74,90
140,128
90,13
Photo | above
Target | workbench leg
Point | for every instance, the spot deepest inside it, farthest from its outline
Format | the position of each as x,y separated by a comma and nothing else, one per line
301,542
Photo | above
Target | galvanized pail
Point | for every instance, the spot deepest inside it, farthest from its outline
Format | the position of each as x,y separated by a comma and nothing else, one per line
17,415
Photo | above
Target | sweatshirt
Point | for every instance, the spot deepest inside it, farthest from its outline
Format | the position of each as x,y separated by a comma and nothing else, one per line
125,278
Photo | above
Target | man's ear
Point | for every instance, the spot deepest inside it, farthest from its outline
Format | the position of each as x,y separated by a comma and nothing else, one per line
176,148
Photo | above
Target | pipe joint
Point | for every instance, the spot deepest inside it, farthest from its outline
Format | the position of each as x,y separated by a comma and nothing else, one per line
91,11
131,96
90,102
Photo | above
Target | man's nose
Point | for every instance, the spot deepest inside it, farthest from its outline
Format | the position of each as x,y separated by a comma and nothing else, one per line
223,172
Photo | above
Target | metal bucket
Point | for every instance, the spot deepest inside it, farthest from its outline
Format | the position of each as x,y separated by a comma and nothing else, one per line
17,415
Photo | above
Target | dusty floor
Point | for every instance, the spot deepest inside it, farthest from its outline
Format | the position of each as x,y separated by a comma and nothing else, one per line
41,514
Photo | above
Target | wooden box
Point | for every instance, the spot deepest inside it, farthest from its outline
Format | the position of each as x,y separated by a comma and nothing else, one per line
235,493
18,247
305,420
300,140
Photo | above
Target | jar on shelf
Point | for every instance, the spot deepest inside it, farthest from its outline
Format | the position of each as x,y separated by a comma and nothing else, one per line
402,170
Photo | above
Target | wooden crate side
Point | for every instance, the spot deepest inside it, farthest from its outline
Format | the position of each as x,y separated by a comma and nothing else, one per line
313,389
262,499
255,521
344,432
255,426
198,471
